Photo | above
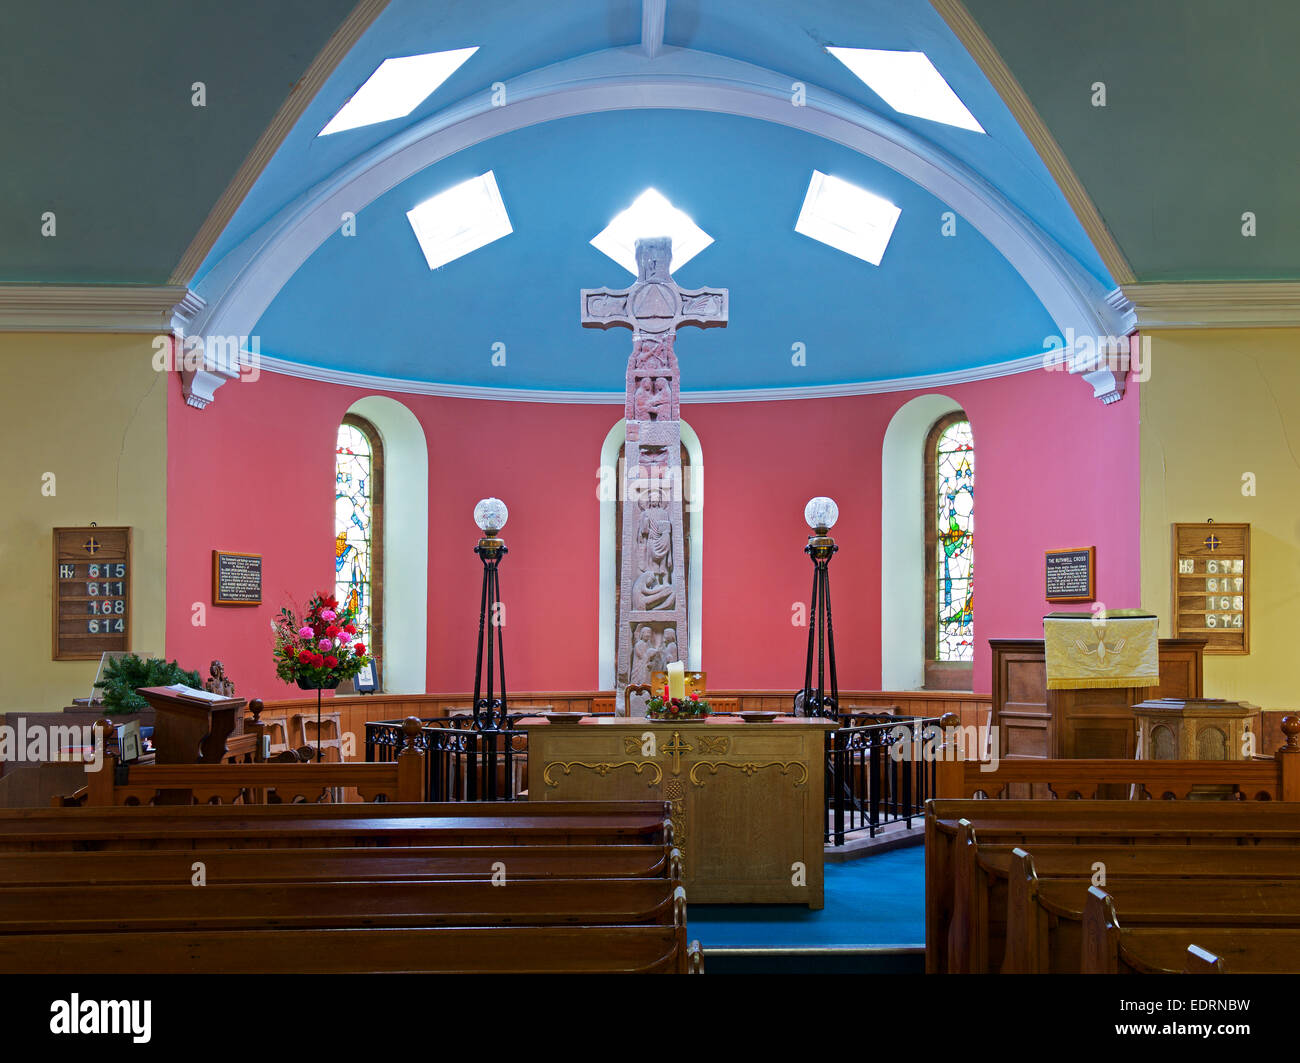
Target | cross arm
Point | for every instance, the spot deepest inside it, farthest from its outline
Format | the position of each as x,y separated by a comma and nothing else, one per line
705,307
606,308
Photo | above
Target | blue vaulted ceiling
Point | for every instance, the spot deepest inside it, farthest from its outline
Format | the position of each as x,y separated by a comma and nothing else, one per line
369,304
133,169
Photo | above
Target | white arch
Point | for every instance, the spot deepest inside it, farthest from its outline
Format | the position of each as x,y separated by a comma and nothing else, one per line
902,542
243,284
606,662
406,542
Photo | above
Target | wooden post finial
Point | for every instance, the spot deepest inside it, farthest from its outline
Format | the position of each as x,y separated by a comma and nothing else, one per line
255,707
1291,728
949,719
411,728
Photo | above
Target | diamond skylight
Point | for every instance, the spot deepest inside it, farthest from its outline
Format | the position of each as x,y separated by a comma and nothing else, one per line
651,215
909,83
847,217
462,219
396,88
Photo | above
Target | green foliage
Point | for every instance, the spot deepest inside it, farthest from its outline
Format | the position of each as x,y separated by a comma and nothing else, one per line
123,677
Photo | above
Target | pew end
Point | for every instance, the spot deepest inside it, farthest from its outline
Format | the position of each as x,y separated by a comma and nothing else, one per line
1101,934
1027,931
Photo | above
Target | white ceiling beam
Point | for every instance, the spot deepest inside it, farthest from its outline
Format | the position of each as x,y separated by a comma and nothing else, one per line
162,308
654,14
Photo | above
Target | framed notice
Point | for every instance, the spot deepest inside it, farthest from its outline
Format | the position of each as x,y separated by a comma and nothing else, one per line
1071,575
91,594
367,680
1211,585
236,578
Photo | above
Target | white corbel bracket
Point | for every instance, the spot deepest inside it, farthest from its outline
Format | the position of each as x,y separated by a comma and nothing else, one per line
1104,369
199,385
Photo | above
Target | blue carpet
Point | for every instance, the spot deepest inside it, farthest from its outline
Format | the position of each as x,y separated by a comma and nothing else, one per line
875,901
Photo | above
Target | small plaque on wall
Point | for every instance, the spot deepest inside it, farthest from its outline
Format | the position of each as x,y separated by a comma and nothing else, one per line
1072,575
1211,585
92,592
236,578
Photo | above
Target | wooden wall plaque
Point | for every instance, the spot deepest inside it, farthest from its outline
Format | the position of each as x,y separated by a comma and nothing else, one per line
236,578
1211,585
92,592
1071,575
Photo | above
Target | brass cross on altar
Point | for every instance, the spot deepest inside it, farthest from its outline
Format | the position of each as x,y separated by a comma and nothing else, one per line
675,749
654,304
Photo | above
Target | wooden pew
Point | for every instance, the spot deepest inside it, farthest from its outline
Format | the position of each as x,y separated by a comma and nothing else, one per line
316,826
312,924
435,950
124,867
1093,823
324,905
402,779
1275,778
977,933
1112,948
1045,918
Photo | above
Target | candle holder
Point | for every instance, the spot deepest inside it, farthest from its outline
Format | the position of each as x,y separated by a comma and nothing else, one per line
821,513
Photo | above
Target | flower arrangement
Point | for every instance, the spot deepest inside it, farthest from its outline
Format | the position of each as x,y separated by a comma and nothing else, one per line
318,651
663,707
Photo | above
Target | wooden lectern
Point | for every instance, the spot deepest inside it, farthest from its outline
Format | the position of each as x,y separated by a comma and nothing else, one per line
199,730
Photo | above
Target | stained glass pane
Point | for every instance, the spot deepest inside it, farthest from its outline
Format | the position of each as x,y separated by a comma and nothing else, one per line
955,543
353,517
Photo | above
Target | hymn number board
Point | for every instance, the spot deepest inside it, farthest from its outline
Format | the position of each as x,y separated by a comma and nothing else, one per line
92,592
1211,582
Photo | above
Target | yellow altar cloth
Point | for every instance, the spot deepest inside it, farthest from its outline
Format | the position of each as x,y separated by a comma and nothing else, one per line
1108,650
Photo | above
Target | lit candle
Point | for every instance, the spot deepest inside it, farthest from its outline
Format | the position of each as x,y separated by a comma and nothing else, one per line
676,679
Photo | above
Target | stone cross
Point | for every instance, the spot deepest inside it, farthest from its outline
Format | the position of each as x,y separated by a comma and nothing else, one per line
652,624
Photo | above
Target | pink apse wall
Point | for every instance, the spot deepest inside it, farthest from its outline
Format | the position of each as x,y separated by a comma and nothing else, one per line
254,473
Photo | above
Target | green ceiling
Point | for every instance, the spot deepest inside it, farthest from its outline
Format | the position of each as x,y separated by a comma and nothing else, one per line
1201,123
98,124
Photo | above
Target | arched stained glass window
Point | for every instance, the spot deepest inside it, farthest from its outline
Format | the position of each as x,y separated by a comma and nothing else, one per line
358,527
950,551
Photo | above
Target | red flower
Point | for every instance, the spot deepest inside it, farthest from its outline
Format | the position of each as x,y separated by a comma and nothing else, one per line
331,661
333,630
317,661
672,709
694,696
359,649
351,629
304,656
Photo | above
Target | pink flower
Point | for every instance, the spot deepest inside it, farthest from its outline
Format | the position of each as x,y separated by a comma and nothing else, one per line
326,644
328,614
305,632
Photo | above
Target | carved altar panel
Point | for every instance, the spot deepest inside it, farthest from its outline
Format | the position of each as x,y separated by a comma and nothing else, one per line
747,799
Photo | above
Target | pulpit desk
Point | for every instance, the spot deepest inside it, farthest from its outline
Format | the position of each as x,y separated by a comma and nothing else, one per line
748,799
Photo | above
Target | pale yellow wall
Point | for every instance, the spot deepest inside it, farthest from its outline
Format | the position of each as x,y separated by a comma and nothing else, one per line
1222,403
91,409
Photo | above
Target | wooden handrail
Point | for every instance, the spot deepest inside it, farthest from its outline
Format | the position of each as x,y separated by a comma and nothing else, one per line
399,780
1274,779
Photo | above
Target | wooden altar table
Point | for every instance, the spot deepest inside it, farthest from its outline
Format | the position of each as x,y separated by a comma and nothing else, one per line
747,799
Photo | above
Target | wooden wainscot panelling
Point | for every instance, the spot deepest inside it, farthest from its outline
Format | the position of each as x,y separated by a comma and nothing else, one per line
355,711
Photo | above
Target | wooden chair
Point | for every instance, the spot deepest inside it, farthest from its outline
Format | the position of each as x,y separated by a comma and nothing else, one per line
303,733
